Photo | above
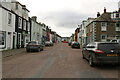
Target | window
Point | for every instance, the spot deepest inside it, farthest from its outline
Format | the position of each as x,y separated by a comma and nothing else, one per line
103,26
24,25
117,36
9,18
19,23
17,6
28,26
90,28
117,15
117,27
94,23
2,39
103,37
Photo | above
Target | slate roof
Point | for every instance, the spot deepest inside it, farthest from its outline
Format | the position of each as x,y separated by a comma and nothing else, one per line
104,17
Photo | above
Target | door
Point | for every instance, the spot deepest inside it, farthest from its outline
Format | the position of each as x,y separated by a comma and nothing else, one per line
9,40
13,42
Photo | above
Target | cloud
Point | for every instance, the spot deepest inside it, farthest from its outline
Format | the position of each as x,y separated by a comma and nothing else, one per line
64,21
65,18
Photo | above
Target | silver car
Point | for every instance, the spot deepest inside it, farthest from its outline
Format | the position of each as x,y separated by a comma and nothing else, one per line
34,46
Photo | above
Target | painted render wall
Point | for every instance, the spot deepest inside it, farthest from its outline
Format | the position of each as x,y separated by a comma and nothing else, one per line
8,29
36,31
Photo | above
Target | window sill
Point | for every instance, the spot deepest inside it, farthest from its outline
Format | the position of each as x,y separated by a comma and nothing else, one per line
103,31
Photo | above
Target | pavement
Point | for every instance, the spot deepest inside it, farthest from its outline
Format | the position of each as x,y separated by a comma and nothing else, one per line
8,53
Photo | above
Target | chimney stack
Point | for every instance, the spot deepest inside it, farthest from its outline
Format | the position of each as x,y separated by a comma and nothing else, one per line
34,18
98,14
119,10
104,9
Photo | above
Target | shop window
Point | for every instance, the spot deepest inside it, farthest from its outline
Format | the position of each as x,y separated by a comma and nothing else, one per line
2,39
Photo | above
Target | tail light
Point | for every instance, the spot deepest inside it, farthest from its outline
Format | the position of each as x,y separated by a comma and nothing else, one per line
98,51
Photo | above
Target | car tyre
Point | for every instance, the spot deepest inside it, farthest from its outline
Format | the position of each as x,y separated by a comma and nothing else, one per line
91,63
28,51
42,49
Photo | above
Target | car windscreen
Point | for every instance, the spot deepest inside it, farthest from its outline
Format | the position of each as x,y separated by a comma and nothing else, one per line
32,43
107,47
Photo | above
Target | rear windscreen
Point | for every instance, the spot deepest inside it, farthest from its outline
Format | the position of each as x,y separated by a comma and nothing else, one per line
107,47
76,43
32,43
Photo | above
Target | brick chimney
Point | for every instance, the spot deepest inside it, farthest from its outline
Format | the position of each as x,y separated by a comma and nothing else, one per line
104,9
34,18
24,6
119,10
98,14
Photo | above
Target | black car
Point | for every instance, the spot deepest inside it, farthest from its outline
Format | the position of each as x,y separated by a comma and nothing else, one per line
102,52
75,45
34,46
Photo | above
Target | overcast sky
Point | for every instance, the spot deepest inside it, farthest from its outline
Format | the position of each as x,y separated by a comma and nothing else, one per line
64,16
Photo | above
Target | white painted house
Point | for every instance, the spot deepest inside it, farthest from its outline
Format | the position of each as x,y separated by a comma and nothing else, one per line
36,30
22,23
7,26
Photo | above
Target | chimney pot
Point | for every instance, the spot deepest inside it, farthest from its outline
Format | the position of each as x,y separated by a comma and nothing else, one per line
104,9
98,14
34,18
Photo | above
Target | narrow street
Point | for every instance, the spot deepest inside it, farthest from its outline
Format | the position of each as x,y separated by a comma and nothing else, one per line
59,61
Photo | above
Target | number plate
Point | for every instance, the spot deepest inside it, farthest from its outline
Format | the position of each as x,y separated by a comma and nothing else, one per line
112,55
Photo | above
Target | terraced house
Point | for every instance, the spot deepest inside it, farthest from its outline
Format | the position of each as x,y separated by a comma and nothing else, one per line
7,26
22,24
36,30
103,28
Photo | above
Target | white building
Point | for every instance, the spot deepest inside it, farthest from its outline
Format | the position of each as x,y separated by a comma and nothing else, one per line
36,30
82,37
119,5
22,23
7,26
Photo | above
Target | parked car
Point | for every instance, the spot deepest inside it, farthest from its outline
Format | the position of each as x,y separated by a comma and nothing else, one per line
34,46
49,43
115,40
75,45
65,41
102,52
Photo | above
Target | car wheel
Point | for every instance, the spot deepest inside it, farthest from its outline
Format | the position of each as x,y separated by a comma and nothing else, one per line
42,49
28,51
91,63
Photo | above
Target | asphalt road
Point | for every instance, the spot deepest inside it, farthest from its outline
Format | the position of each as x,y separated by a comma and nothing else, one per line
59,61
